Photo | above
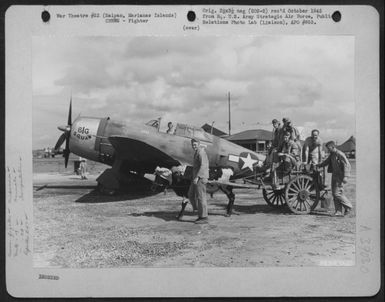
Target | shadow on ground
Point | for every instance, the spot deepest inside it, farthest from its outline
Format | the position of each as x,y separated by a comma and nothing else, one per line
136,193
188,217
164,215
255,208
39,188
237,210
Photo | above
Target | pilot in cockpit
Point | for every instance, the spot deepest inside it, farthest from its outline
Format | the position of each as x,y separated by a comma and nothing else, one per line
170,128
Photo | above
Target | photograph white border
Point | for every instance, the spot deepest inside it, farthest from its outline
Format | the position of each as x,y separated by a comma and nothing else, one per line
22,280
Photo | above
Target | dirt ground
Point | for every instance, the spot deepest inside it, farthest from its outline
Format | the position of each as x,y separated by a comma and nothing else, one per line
76,227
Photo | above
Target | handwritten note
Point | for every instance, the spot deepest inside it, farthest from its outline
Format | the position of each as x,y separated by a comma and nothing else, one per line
17,219
15,182
18,234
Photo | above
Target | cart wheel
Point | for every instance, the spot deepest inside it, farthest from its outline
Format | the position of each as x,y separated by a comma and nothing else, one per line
274,198
302,194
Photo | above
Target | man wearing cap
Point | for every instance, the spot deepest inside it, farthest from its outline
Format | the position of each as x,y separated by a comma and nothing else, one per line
289,152
276,133
288,127
287,156
197,190
294,134
339,166
275,140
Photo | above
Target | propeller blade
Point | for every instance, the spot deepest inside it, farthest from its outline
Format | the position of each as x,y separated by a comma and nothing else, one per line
60,141
66,136
66,154
69,122
67,149
64,128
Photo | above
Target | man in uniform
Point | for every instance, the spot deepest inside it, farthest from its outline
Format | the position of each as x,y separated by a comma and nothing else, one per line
312,148
285,159
339,166
273,145
276,133
312,154
197,190
288,127
83,169
289,152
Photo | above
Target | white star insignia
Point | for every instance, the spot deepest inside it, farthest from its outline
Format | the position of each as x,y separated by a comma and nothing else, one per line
248,162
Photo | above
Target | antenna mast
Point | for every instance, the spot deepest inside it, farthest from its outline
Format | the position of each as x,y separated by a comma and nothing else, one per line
229,114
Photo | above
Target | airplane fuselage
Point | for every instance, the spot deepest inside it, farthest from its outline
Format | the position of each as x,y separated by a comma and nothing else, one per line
89,138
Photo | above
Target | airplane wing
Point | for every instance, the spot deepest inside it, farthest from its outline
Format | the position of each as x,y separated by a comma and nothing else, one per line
140,155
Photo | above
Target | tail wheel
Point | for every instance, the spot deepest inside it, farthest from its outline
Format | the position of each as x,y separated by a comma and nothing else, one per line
212,188
302,194
274,198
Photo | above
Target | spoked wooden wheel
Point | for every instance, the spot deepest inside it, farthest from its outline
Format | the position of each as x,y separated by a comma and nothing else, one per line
302,194
274,198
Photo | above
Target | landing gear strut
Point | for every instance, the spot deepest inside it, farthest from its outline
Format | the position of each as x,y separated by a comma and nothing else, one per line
106,191
108,182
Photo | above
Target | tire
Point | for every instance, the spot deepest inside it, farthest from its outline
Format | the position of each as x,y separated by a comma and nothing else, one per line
302,194
274,198
105,191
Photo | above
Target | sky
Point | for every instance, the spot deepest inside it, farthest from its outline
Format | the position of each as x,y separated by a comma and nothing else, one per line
309,79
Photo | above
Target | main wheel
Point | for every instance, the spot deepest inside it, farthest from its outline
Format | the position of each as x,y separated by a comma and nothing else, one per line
106,191
274,198
302,194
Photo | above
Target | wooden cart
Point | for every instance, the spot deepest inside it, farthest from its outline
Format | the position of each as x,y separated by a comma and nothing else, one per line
300,190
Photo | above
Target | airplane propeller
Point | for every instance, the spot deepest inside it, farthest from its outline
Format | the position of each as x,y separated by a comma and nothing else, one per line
65,136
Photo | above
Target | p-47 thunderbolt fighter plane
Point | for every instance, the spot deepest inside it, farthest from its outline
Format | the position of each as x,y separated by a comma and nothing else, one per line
138,149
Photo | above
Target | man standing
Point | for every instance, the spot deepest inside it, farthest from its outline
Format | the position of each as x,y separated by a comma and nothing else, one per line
276,133
197,191
339,166
272,146
312,148
83,169
312,154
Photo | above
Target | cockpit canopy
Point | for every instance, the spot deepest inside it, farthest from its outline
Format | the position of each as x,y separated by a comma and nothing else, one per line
192,132
184,130
154,123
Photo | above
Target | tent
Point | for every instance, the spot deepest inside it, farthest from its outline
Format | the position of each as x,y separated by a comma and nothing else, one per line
348,147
